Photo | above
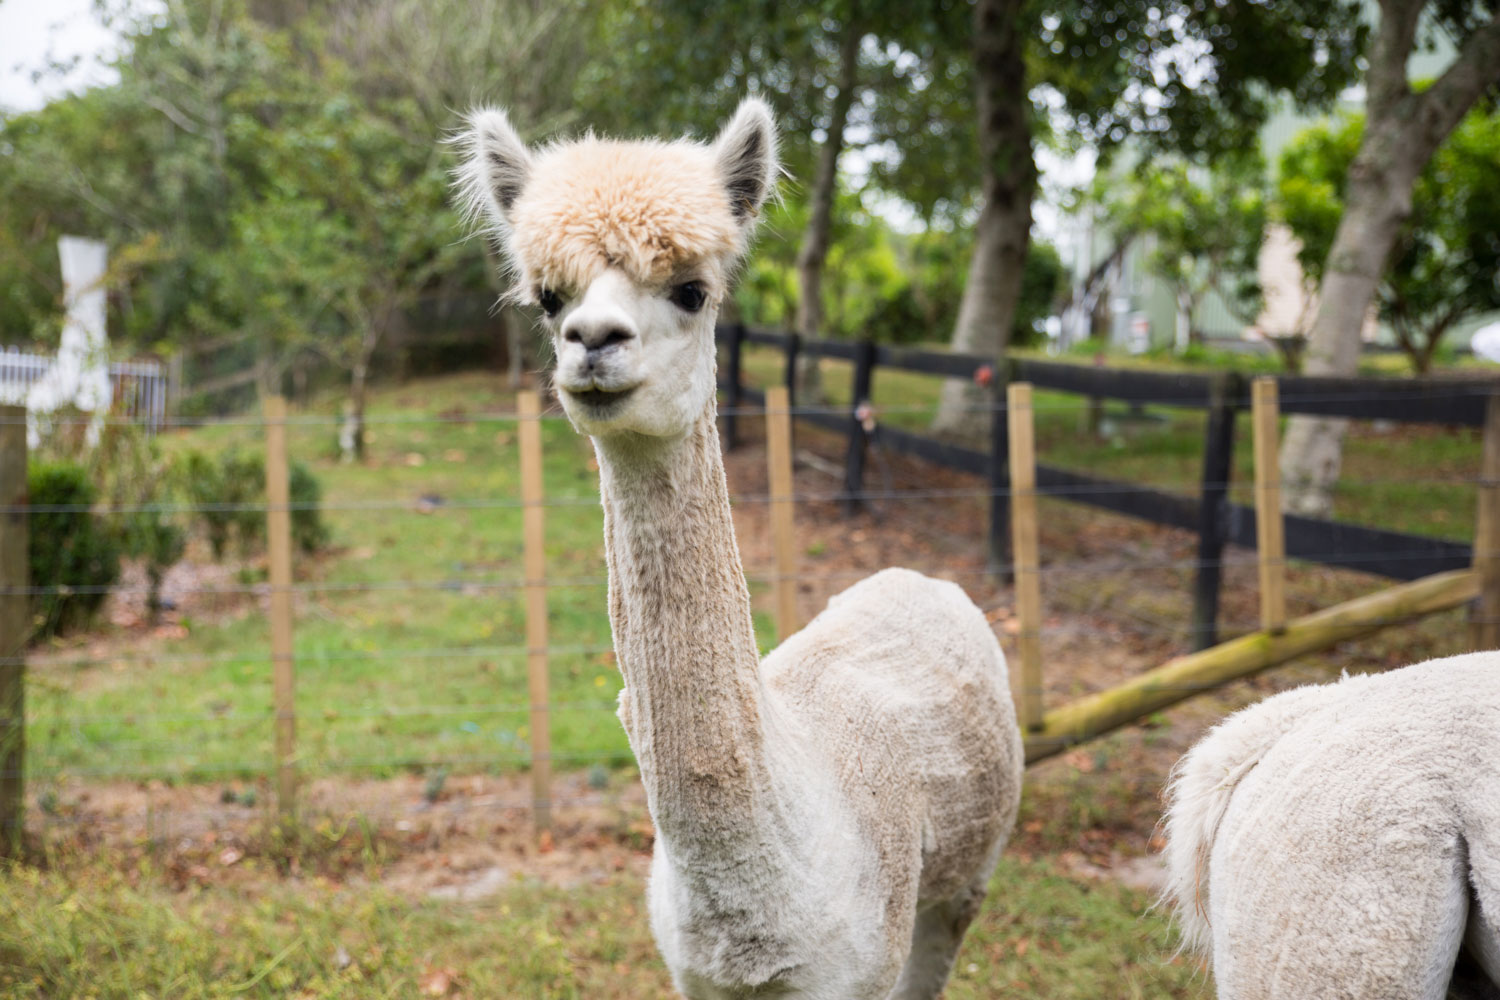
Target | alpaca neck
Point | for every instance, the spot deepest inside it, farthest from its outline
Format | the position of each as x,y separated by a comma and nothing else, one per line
681,618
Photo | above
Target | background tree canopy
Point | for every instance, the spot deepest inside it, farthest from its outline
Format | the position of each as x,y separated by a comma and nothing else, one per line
274,170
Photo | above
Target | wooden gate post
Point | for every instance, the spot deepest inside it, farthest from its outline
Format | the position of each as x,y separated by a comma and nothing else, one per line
279,549
1270,526
783,536
1213,509
15,578
1484,620
1026,549
533,528
859,438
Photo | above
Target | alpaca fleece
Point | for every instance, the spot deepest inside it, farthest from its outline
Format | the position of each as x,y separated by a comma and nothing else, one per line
1343,840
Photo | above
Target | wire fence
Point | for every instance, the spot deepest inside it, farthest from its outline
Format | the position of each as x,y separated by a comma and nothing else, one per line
391,682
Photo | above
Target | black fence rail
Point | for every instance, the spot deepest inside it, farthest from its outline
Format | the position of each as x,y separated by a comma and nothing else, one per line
1216,520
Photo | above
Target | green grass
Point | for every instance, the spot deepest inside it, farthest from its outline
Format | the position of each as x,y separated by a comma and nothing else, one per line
106,934
415,652
412,656
1412,479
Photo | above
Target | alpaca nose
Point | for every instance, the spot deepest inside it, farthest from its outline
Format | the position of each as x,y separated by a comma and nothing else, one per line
597,338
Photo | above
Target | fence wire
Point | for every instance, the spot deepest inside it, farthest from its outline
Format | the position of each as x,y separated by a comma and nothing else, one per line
100,731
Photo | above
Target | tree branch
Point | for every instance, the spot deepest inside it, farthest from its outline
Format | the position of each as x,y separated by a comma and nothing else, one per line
1442,106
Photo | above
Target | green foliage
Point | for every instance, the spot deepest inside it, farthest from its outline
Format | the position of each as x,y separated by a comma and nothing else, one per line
1206,225
73,556
229,496
1444,264
1190,76
891,286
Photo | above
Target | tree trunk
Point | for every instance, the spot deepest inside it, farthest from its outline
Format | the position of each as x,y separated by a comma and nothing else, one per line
1402,131
993,288
360,378
358,383
1184,330
814,250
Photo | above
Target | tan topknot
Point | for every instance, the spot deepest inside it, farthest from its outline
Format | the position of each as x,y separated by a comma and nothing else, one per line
651,208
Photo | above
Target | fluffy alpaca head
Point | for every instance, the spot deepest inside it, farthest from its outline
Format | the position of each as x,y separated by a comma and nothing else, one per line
628,247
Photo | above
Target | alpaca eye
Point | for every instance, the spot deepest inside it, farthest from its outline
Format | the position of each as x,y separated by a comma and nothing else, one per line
689,296
550,301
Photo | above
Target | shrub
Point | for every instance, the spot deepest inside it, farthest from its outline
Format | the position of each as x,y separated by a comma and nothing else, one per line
230,495
73,556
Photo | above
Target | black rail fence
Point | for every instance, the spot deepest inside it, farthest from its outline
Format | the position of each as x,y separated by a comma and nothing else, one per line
1211,514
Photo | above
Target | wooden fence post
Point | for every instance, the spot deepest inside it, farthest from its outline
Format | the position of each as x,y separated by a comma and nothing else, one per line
1484,620
859,438
1027,556
779,459
999,477
529,407
733,397
1270,527
279,548
1213,509
15,579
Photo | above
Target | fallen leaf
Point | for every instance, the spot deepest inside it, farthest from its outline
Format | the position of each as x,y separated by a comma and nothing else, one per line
437,982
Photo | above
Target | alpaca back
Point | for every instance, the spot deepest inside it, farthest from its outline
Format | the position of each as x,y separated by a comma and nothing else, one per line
902,687
1339,837
1201,786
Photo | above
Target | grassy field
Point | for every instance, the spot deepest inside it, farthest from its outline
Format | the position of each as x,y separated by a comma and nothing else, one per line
1413,479
408,629
98,932
408,637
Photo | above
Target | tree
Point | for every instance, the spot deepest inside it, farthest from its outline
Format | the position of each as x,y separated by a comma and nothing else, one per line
1403,128
1207,226
1446,254
440,57
354,226
1198,78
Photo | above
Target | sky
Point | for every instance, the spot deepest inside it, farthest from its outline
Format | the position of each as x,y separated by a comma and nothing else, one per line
31,31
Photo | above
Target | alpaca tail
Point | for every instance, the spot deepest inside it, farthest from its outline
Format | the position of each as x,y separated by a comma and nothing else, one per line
1199,793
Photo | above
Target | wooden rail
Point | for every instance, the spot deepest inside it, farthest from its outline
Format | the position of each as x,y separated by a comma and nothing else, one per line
1195,673
1217,522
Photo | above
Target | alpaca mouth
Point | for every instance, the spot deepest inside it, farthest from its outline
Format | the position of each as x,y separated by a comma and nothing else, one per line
600,399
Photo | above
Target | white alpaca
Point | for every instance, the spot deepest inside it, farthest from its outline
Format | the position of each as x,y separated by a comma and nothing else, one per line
827,819
1343,840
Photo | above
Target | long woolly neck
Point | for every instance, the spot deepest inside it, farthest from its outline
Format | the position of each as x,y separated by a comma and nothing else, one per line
680,612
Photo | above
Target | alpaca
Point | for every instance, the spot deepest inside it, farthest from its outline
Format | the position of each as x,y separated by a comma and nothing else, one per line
827,819
1343,840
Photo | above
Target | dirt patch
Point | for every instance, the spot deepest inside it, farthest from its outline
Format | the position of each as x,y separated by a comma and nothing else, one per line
466,840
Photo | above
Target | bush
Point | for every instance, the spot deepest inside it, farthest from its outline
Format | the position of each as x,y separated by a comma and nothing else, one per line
73,556
230,495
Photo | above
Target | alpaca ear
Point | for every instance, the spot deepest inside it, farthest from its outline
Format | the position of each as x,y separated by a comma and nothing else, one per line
746,154
496,165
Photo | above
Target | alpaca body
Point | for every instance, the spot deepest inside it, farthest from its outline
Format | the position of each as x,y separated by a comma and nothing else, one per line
884,814
826,820
810,805
1343,840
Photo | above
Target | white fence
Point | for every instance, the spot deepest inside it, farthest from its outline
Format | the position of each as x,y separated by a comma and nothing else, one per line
140,393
